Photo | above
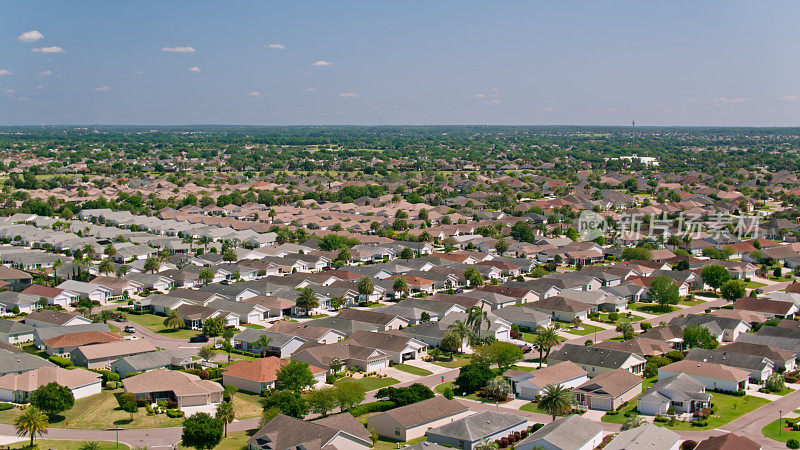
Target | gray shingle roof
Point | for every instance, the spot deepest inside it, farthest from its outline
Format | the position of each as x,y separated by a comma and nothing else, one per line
477,426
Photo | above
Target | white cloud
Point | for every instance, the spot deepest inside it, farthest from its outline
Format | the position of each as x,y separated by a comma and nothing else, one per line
311,90
186,49
789,98
52,49
45,73
480,95
5,72
277,46
102,89
730,100
322,63
348,95
495,101
495,89
194,69
30,36
138,72
254,94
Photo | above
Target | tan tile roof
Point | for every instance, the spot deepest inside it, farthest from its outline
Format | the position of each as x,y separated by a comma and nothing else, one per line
262,369
159,380
426,411
33,379
706,369
120,348
84,338
612,383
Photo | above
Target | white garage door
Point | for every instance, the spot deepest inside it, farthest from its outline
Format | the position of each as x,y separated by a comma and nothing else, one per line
375,365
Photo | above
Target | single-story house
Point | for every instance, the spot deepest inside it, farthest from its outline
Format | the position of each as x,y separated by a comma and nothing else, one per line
565,374
412,421
363,358
467,432
596,360
54,296
280,343
395,344
714,376
562,308
64,344
186,389
52,318
340,431
608,390
93,292
17,387
572,432
647,436
100,356
143,362
15,332
682,392
260,374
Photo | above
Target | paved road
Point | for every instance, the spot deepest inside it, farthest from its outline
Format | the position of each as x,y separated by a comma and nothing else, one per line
159,339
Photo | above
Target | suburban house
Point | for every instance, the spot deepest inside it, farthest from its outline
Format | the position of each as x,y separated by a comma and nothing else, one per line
412,421
363,358
194,316
562,309
728,441
759,367
767,307
596,360
523,316
184,388
143,362
572,432
646,436
19,362
15,332
608,390
383,321
260,374
340,431
52,318
17,387
54,296
93,292
64,344
308,332
395,344
782,359
467,432
281,344
682,392
566,374
101,356
712,375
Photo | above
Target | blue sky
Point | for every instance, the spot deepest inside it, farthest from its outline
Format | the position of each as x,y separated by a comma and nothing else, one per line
401,62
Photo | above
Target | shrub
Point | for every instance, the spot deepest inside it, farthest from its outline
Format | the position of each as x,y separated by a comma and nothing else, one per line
6,406
660,419
175,413
792,443
700,423
688,445
588,342
645,325
613,316
61,362
379,406
675,356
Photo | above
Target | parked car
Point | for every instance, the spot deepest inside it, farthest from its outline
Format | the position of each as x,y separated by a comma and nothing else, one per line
129,329
199,338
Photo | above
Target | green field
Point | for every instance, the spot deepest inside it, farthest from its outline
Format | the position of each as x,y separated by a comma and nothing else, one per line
156,323
414,370
371,383
67,445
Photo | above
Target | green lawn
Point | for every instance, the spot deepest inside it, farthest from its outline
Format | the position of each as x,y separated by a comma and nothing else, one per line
414,370
101,411
235,441
754,285
372,383
786,390
582,329
620,417
690,302
651,308
247,405
253,325
156,323
622,318
389,444
729,407
534,408
67,445
458,361
771,431
523,368
529,337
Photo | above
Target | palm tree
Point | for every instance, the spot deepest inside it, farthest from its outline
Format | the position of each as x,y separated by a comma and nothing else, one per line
204,241
205,275
633,421
151,264
87,250
475,318
549,338
539,344
31,422
626,329
262,342
366,287
122,269
58,263
173,320
497,387
486,444
674,241
556,400
400,285
189,240
110,250
226,347
105,266
307,300
226,413
461,330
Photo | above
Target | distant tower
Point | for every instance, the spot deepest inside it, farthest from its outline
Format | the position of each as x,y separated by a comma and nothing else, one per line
633,123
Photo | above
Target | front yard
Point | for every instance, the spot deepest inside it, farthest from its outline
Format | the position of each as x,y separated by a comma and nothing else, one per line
458,361
622,317
414,370
772,431
156,323
67,445
371,383
581,330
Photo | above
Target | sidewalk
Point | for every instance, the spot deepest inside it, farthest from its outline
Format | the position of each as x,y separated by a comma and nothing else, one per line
426,365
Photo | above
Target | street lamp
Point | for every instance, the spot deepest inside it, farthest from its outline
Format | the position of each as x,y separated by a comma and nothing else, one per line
780,420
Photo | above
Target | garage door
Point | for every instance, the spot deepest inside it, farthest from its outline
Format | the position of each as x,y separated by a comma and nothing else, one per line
375,365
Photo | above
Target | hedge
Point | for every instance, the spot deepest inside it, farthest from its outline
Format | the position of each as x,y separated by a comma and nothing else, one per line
6,406
378,406
62,362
